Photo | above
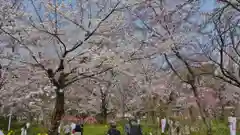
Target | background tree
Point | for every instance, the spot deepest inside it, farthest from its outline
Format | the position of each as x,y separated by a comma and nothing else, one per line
35,35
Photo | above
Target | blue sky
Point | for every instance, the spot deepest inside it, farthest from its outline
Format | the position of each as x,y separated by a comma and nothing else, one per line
40,8
205,5
208,5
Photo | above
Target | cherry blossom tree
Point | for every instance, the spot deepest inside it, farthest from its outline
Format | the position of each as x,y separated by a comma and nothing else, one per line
57,42
214,53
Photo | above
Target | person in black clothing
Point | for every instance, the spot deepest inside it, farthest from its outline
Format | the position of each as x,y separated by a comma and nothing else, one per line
79,129
79,126
135,128
113,129
127,128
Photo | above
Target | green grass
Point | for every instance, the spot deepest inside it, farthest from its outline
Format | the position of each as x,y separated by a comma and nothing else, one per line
102,129
95,129
219,128
14,125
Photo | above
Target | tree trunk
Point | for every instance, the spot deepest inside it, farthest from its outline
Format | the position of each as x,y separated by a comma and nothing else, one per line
57,114
30,117
123,111
201,110
104,109
222,116
123,107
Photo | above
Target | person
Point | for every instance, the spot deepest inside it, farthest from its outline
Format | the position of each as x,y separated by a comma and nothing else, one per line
113,129
73,125
232,124
1,132
127,128
24,130
78,129
135,128
28,125
67,129
163,124
59,129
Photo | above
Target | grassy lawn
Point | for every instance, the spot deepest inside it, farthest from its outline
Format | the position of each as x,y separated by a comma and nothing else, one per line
95,129
218,129
88,129
102,129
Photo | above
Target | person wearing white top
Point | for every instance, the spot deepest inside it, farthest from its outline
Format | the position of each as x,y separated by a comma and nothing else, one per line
24,131
1,133
163,124
232,125
24,128
73,126
28,125
59,129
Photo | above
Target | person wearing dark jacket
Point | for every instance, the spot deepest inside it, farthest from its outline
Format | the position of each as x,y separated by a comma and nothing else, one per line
113,129
78,129
135,128
127,128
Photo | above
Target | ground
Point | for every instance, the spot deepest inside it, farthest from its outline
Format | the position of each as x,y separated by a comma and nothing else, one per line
219,128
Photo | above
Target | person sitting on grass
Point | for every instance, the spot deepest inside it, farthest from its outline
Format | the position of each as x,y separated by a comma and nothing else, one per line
113,129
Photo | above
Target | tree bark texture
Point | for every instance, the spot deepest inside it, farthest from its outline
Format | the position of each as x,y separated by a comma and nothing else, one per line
57,114
104,109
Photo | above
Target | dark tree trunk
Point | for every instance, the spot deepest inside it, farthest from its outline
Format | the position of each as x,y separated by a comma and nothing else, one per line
104,109
222,116
30,117
123,111
57,114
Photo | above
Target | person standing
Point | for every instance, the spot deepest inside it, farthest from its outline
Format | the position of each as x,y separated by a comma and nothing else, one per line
113,129
59,129
1,132
24,130
232,124
78,129
135,128
28,125
127,128
163,125
73,125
